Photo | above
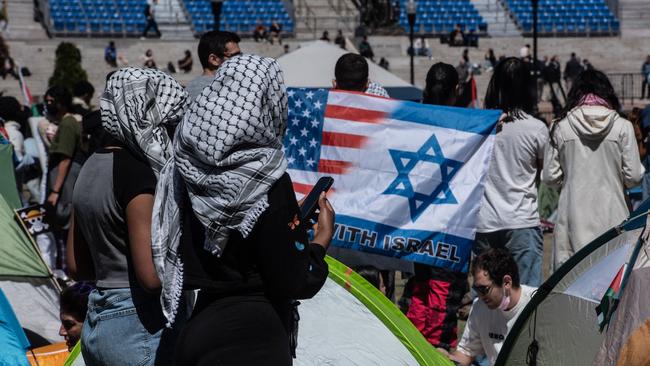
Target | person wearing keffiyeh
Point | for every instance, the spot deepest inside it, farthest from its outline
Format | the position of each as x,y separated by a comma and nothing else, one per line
227,222
113,203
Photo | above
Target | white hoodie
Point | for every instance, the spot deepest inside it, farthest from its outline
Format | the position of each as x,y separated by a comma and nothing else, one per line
592,157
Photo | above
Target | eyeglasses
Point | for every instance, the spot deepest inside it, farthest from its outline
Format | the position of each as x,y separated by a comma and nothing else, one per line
482,290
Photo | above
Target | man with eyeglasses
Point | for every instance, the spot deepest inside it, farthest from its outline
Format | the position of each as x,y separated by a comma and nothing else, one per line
500,301
215,47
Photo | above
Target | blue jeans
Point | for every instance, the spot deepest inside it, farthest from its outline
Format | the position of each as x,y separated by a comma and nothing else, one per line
525,245
126,327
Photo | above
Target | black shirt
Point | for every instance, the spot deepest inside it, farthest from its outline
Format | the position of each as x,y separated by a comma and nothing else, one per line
275,260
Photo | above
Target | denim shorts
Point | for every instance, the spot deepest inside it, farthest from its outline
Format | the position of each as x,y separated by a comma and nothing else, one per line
125,327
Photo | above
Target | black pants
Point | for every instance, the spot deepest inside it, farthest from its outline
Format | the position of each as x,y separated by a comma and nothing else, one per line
242,331
151,23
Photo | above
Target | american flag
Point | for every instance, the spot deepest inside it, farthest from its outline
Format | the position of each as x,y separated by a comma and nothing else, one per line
325,129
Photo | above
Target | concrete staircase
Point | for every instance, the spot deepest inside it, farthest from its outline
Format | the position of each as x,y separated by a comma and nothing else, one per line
172,22
498,18
315,16
21,21
635,18
38,56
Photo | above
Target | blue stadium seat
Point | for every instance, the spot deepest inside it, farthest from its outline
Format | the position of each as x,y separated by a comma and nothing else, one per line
239,15
444,15
570,17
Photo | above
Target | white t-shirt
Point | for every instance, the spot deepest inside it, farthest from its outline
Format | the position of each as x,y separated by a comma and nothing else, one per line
486,329
510,197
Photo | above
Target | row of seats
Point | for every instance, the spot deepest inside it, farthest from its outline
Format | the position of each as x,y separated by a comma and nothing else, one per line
126,17
98,17
563,2
96,26
239,16
566,17
442,16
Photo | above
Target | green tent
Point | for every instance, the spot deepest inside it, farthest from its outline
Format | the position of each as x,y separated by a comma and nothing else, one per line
18,256
24,277
7,178
349,322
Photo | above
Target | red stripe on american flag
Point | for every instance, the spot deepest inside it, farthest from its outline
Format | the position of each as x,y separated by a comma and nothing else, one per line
333,166
302,188
343,139
353,114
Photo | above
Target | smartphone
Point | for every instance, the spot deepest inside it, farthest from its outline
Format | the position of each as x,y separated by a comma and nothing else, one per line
310,204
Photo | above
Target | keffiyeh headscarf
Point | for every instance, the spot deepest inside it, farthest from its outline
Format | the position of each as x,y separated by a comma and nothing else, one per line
227,155
136,106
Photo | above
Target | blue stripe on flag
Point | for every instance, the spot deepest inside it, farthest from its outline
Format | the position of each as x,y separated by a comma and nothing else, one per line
302,140
431,248
477,121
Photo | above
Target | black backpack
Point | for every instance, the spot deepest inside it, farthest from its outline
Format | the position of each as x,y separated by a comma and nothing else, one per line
147,8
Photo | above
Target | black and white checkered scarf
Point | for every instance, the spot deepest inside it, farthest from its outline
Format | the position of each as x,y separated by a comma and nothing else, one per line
137,105
227,155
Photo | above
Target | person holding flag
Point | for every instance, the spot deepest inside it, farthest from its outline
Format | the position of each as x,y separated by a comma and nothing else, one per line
438,292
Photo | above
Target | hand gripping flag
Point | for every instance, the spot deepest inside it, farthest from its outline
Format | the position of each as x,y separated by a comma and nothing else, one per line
408,177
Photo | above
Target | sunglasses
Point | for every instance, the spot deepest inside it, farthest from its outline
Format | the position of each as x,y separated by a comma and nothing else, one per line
482,290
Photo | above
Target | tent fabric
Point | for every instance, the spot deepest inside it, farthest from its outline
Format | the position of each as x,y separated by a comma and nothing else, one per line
8,188
50,355
24,277
36,303
627,341
75,358
312,66
12,338
17,254
561,316
349,322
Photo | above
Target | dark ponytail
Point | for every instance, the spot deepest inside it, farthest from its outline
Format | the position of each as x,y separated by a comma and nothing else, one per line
442,81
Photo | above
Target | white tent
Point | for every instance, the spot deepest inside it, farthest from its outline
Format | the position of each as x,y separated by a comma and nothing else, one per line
312,66
337,329
560,324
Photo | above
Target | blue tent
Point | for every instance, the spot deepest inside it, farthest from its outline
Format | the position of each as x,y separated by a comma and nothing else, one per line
12,337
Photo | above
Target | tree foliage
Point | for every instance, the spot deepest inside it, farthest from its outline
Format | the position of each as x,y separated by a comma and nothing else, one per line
67,66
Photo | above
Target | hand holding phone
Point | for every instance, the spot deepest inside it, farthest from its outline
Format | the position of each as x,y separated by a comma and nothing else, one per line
311,201
324,228
317,199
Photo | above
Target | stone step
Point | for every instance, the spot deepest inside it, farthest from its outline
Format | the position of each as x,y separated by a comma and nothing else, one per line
500,24
21,21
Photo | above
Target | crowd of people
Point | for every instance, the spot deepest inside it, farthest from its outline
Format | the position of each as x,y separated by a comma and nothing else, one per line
162,171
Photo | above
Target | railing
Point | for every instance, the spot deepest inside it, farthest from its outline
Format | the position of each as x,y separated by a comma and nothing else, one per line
309,17
627,85
345,14
188,16
341,6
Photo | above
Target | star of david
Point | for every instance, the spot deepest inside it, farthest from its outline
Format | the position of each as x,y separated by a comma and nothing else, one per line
405,161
